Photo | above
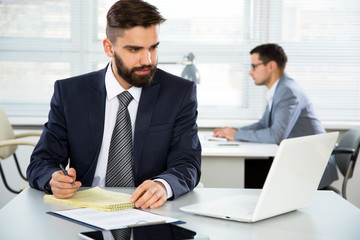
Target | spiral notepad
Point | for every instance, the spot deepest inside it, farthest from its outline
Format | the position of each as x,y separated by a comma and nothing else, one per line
97,198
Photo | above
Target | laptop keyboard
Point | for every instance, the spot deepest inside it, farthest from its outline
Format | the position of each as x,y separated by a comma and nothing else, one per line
238,205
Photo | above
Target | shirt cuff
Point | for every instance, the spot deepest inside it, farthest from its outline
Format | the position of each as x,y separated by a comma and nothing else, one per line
167,186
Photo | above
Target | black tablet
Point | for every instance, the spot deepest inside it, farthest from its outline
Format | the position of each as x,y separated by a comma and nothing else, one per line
150,232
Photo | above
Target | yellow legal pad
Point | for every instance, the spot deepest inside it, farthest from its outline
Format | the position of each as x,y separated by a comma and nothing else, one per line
97,198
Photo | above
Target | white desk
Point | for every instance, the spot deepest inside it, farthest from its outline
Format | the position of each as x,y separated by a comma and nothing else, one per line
224,166
328,217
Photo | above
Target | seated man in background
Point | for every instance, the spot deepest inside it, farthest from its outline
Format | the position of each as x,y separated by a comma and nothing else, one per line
289,112
127,125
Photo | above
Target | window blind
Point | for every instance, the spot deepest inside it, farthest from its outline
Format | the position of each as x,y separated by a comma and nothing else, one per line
322,41
42,41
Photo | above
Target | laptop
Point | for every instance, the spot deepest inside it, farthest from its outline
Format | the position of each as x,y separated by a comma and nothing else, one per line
291,183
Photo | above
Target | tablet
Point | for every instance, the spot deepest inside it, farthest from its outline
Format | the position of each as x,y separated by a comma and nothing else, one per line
159,231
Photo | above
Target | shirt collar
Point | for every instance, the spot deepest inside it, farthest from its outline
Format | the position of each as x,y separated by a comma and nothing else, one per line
113,88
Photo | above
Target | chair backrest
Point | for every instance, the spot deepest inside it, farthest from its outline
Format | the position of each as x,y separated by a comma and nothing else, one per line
6,133
350,139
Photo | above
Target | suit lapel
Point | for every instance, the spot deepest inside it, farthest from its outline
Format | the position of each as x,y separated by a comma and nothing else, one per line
268,116
96,99
145,110
276,99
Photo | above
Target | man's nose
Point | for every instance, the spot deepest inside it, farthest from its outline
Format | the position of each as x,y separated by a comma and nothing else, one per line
146,58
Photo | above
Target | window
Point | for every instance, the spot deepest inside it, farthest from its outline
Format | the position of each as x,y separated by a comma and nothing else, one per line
322,41
42,41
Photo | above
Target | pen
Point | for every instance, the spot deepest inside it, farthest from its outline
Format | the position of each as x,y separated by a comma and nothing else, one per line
65,172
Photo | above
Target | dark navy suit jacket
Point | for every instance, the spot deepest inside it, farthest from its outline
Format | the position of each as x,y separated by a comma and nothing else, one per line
166,143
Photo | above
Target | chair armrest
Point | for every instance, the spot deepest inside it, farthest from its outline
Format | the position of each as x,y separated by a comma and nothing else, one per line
343,150
30,134
16,142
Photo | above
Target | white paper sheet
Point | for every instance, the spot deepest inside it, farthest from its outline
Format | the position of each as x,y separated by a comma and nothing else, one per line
114,220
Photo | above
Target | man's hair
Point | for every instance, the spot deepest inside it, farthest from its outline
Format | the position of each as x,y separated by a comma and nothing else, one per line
126,14
271,52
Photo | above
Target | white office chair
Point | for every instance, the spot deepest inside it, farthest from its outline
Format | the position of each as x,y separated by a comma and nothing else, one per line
8,145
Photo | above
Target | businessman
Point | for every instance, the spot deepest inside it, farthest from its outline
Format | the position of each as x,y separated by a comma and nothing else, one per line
289,112
130,124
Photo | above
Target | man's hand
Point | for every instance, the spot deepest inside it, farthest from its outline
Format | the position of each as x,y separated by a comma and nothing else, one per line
149,194
61,185
225,132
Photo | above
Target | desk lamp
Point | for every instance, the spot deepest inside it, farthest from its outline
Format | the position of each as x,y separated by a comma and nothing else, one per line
190,71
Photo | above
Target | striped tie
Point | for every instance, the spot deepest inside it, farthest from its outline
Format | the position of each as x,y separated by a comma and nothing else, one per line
121,234
119,168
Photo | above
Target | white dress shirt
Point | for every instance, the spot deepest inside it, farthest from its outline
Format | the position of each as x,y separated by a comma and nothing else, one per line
270,94
113,89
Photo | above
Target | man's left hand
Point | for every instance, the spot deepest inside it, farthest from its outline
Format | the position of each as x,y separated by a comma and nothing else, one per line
149,194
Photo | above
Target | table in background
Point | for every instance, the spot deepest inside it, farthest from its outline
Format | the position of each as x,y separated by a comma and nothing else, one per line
328,217
224,166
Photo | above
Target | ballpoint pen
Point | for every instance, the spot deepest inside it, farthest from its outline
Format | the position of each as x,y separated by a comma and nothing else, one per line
65,172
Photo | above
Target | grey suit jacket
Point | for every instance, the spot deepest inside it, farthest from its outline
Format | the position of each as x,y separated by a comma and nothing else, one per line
292,115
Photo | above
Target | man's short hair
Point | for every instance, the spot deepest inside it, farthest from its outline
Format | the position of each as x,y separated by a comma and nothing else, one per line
271,52
126,14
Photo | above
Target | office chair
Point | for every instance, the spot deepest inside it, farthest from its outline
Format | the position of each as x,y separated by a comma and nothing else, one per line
8,145
346,154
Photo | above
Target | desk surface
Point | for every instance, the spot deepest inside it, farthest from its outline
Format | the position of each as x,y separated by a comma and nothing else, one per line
243,149
328,217
230,159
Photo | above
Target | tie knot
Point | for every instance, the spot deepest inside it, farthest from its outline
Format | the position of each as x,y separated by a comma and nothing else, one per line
125,98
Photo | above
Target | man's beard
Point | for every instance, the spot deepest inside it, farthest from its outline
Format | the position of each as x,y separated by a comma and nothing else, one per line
131,77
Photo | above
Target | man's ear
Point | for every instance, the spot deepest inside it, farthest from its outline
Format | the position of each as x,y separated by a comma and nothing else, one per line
108,47
273,66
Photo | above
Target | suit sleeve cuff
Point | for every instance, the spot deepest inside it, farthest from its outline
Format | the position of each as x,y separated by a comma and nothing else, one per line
237,135
167,186
47,188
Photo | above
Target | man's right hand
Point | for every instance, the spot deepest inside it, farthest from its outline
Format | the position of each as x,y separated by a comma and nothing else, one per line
225,132
61,185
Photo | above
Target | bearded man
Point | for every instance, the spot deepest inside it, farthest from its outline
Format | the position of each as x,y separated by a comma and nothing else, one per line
162,150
